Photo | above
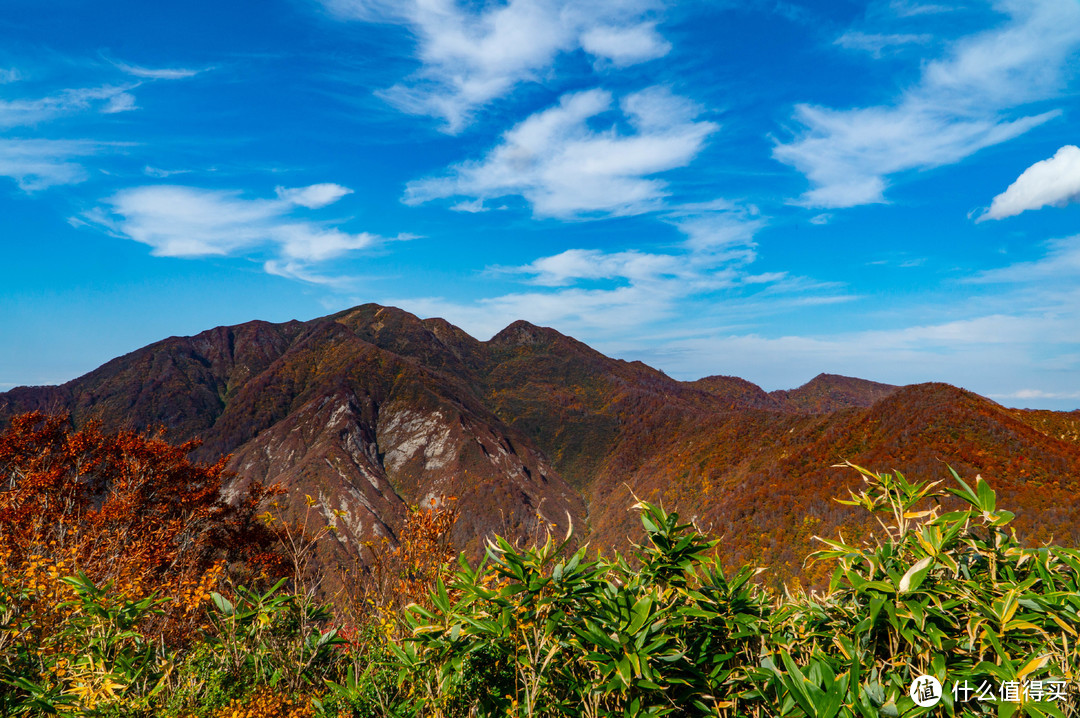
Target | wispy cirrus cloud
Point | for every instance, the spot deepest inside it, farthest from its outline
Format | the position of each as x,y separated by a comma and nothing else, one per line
472,55
910,8
160,173
1060,263
37,164
878,44
961,104
1038,394
1053,181
157,73
564,168
107,99
179,221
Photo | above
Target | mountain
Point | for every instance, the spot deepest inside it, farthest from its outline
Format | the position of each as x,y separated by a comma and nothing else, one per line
372,409
829,392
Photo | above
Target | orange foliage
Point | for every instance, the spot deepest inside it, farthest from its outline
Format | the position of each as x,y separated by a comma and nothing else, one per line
123,507
396,576
266,704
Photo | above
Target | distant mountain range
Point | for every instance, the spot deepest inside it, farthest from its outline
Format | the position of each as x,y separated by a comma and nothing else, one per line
373,409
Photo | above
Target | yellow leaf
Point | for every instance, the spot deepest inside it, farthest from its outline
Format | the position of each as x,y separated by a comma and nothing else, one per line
1033,665
1068,629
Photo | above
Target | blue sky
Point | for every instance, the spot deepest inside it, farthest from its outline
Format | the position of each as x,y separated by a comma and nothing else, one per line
771,190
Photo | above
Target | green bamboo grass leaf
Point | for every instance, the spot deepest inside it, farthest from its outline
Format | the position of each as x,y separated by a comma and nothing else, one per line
1043,710
986,496
797,684
223,604
914,576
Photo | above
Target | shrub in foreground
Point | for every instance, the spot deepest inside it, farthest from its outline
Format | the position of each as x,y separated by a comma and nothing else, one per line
946,593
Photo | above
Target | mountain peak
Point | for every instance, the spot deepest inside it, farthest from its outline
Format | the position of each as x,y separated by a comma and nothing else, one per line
831,392
736,393
523,333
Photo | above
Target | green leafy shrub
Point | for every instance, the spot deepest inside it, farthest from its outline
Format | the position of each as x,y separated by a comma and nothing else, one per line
951,594
947,593
257,639
537,632
95,661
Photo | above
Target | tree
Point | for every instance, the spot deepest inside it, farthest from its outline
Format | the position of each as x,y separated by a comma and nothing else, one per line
128,508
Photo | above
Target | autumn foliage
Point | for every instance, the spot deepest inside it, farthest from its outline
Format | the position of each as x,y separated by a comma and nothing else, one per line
125,508
130,586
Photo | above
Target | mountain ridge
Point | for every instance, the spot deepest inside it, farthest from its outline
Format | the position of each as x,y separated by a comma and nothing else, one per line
372,409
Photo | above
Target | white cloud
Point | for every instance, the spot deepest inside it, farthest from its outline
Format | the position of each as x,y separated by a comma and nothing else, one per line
315,196
107,98
36,164
1038,394
1061,262
624,46
472,55
177,221
164,73
958,107
123,102
728,233
906,8
877,43
1054,181
159,173
302,272
564,168
472,207
574,310
574,265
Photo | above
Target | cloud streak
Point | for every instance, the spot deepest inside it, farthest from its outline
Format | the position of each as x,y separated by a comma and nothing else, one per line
37,164
1061,262
162,73
987,354
106,99
877,44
